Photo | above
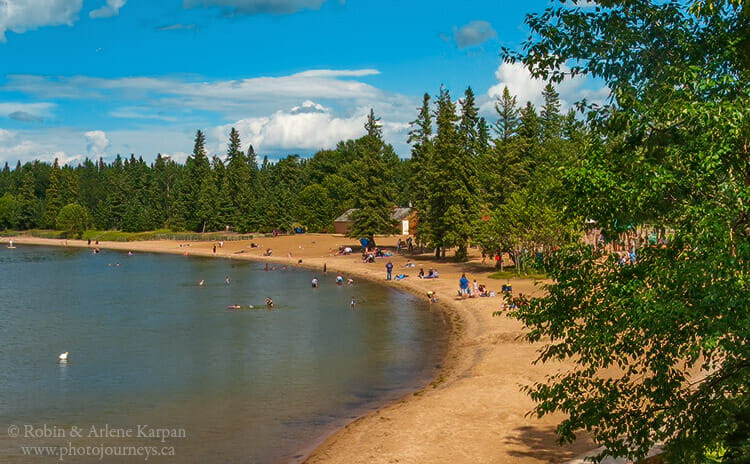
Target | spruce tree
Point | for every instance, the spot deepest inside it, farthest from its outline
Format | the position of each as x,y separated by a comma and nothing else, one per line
420,137
549,117
54,197
373,197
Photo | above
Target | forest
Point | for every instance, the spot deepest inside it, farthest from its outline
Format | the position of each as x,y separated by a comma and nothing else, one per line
466,178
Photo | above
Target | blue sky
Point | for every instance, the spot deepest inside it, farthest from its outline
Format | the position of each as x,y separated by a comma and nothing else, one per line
99,77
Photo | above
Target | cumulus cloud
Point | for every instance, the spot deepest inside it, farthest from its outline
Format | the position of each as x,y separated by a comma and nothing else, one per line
25,15
112,8
520,83
474,33
97,142
307,127
25,146
251,7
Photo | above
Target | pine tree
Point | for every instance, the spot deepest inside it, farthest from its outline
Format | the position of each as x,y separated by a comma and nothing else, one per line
420,137
445,192
549,117
507,123
29,211
54,197
373,197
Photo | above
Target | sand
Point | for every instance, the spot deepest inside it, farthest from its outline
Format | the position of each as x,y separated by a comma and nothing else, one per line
473,412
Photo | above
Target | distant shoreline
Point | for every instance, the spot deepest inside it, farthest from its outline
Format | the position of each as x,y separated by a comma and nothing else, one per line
474,401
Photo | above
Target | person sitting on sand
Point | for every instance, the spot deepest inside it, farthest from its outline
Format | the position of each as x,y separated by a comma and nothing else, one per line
432,297
408,263
421,273
268,252
431,274
269,302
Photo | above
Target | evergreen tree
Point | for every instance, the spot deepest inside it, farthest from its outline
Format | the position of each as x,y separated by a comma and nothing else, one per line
54,197
420,137
507,123
373,197
549,118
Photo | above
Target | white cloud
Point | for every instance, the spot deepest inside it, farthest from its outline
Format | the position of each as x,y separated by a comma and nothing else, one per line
140,112
23,146
474,33
97,142
520,83
301,113
307,127
26,112
25,15
232,98
250,7
112,8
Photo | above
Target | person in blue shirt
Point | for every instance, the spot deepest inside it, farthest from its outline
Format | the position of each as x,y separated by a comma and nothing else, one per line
388,269
464,285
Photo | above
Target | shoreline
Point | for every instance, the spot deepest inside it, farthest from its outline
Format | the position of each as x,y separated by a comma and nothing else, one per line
470,411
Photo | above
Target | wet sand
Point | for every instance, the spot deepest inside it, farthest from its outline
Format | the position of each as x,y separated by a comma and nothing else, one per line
473,412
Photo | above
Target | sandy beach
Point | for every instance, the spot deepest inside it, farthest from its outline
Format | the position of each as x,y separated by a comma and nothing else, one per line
473,412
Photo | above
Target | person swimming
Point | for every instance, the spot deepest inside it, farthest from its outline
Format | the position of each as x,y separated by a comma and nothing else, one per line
353,302
269,302
339,280
201,282
315,282
227,280
234,307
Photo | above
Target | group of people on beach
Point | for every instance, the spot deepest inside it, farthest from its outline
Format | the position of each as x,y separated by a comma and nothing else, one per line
468,290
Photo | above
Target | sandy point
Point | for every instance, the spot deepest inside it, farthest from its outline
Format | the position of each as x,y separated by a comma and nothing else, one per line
474,411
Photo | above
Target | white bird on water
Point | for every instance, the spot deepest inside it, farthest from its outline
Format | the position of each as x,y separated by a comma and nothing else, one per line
63,357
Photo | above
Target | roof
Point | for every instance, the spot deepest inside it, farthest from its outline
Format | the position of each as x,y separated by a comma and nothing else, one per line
399,214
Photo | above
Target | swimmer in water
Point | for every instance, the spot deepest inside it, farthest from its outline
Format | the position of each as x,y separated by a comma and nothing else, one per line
234,307
353,302
201,282
269,302
227,280
315,282
340,279
350,281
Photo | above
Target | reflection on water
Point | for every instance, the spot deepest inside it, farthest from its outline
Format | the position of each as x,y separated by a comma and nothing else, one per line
148,345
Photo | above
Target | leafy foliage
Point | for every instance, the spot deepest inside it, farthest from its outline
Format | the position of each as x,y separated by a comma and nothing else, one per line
660,346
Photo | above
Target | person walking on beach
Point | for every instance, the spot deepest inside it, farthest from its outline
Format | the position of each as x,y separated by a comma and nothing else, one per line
214,248
389,270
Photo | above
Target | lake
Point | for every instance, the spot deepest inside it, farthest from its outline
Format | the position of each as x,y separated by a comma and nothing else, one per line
151,348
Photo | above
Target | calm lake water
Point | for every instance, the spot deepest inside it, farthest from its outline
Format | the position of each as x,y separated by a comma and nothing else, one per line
150,347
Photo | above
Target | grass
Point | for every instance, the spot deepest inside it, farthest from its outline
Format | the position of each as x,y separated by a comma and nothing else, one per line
509,274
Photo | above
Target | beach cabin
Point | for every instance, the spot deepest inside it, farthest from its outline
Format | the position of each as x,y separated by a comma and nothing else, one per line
406,218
